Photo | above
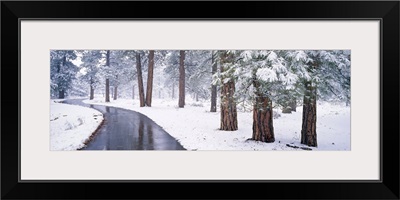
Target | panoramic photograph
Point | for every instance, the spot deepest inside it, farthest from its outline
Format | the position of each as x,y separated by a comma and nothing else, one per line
193,100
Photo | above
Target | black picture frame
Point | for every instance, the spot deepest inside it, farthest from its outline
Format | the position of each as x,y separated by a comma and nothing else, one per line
385,11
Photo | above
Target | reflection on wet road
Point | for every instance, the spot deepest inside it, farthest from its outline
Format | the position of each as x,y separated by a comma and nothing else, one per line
128,130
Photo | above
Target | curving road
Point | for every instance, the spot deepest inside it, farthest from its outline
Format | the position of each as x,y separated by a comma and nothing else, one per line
128,130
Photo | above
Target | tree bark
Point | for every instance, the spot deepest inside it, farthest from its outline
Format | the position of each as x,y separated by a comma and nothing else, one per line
263,129
293,105
181,102
140,79
309,121
107,90
149,90
91,89
61,94
133,92
107,80
228,103
61,91
213,87
115,92
173,89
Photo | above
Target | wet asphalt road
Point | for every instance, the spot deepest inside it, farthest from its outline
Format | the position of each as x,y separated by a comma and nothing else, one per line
128,130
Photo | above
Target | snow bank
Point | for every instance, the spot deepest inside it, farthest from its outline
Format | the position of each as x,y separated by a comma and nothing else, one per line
71,126
197,129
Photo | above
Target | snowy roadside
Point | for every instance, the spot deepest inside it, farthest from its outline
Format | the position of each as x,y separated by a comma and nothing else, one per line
71,125
197,129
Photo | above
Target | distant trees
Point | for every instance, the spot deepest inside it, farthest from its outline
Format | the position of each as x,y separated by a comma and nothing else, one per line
196,73
171,71
91,61
62,71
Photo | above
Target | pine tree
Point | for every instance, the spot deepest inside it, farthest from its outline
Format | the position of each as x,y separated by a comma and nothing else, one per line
318,72
229,120
91,61
62,71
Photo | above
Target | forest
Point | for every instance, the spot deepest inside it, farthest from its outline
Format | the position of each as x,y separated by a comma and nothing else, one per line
227,81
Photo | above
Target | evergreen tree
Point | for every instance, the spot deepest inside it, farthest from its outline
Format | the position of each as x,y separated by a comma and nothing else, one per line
62,71
229,120
91,62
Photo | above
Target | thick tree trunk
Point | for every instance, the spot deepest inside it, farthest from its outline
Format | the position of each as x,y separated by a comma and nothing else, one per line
263,129
181,102
228,107
140,79
213,87
107,80
309,121
149,90
91,97
228,103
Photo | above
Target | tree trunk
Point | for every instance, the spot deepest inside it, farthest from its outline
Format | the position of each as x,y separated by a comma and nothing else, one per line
61,94
149,90
228,103
228,107
115,92
173,89
293,105
133,92
213,87
181,102
107,80
197,97
309,121
107,90
140,79
91,97
263,129
115,96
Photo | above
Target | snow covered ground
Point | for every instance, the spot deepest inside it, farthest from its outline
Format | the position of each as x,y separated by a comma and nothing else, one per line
197,129
71,126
